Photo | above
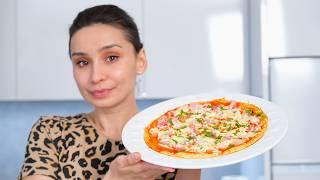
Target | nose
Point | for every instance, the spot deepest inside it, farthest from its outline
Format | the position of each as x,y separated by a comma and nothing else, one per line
98,73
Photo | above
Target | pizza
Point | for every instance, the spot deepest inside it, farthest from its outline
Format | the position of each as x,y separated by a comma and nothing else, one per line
206,129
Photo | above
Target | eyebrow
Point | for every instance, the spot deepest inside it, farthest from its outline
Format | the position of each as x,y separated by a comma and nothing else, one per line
109,47
101,49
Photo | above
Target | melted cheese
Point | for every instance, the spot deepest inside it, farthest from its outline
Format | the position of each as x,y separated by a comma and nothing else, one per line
206,128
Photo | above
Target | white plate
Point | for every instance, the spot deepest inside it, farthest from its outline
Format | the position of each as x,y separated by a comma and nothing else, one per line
133,133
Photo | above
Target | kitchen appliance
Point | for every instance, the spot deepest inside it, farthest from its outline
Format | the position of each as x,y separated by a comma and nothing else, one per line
291,78
295,85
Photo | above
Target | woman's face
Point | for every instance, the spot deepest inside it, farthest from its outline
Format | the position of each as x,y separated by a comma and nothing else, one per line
105,65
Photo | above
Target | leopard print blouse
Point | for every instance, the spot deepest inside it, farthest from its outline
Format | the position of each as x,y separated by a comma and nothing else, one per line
70,148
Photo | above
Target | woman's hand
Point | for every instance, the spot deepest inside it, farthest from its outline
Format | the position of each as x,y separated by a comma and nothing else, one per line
131,167
188,174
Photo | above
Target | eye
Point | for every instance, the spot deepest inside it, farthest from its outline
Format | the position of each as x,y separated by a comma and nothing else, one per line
82,63
112,58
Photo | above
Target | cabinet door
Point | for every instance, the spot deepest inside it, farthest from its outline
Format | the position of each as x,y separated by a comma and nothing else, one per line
195,47
294,28
44,70
7,50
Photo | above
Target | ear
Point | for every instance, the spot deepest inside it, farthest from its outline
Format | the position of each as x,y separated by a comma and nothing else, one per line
142,63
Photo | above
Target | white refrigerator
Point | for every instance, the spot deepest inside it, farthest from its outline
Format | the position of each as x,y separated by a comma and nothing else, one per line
294,84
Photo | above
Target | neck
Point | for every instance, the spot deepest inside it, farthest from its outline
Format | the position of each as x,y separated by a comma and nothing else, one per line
110,121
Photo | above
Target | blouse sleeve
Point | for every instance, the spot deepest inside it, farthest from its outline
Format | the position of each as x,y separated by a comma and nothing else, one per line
41,157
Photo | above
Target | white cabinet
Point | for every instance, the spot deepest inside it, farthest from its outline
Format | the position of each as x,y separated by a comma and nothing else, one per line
294,28
195,47
44,71
7,50
192,47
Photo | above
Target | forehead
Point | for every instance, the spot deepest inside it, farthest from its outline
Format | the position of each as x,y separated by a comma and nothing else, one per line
96,36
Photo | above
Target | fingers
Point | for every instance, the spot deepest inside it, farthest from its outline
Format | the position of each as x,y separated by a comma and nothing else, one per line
128,160
134,158
153,166
152,171
132,166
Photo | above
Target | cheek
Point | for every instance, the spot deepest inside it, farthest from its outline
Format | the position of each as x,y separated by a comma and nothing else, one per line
126,75
79,78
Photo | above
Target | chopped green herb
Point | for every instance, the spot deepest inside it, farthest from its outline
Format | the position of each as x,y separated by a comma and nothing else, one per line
238,124
199,120
248,111
170,122
183,113
189,137
222,108
178,138
229,128
218,139
215,127
259,113
180,113
209,106
183,127
208,133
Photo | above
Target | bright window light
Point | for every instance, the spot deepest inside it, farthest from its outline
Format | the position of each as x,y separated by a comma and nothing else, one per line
227,48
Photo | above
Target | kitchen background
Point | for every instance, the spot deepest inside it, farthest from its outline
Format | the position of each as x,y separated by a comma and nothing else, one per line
266,48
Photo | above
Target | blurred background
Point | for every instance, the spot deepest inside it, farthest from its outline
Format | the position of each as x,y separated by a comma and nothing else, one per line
265,48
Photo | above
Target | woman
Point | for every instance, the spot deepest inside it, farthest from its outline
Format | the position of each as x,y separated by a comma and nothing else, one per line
107,55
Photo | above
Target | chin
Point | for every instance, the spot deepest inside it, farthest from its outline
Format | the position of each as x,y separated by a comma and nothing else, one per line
103,103
109,102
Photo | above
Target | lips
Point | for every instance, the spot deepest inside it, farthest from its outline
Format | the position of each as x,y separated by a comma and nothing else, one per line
100,93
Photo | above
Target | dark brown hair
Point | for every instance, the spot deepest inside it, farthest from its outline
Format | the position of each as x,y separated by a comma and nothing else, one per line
109,15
